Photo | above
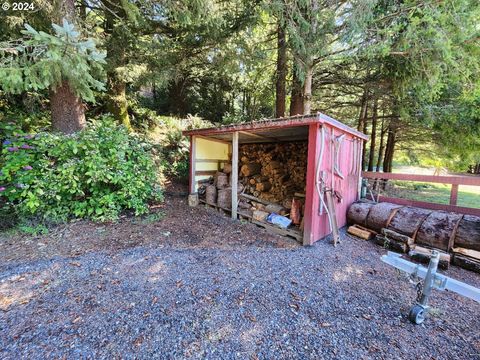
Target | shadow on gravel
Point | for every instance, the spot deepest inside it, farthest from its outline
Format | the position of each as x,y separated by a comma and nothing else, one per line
192,283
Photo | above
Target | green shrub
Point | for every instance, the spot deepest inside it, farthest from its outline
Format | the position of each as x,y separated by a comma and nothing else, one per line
174,146
95,173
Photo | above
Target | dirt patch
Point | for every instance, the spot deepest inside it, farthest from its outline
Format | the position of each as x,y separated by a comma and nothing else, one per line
171,224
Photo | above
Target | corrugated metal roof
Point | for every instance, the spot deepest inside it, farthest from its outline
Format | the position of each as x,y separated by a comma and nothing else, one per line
301,120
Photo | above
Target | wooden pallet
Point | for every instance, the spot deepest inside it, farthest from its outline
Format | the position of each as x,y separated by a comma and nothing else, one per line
284,232
297,235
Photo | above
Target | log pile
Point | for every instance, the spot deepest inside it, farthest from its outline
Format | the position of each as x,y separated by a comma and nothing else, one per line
405,228
272,179
273,172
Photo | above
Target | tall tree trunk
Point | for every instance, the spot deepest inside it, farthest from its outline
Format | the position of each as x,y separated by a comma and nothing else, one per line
176,98
296,101
363,111
307,90
362,122
373,135
68,112
83,10
117,101
281,71
116,58
244,99
381,147
390,148
364,149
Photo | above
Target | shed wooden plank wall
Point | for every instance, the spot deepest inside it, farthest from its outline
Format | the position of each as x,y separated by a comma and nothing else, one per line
206,156
317,226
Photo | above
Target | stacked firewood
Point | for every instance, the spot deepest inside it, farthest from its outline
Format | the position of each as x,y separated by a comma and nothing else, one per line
273,172
259,209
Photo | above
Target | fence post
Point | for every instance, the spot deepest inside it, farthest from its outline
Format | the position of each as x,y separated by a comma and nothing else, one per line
454,194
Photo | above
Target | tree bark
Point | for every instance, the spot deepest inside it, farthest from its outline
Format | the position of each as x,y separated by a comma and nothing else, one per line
64,9
358,212
116,58
296,101
362,121
117,101
307,90
363,111
438,230
176,98
390,148
364,130
281,71
380,215
468,233
408,219
371,157
68,111
381,147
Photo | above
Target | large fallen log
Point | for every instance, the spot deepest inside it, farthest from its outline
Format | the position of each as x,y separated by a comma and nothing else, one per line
468,233
358,212
407,220
438,230
380,215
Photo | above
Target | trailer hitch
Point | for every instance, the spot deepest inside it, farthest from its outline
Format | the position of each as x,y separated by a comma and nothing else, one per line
432,280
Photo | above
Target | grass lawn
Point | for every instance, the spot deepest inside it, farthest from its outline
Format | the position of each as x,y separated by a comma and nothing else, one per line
468,196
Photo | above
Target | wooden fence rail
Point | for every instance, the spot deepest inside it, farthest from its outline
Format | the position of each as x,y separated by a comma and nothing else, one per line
455,181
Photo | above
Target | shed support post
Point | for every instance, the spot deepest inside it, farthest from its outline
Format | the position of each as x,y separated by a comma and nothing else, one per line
311,201
193,140
234,174
360,170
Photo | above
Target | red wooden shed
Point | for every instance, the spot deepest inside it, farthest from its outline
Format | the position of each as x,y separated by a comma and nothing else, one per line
333,165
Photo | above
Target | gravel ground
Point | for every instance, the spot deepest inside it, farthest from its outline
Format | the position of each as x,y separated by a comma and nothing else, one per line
239,293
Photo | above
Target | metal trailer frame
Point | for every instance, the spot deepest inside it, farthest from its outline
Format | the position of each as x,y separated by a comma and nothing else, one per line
432,280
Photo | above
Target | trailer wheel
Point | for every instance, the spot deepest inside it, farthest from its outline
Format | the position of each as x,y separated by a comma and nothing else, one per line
417,314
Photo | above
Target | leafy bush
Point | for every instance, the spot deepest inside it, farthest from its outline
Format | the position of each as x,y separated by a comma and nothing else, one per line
174,147
94,174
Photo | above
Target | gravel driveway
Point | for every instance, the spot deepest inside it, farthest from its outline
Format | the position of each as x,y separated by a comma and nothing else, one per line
240,302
